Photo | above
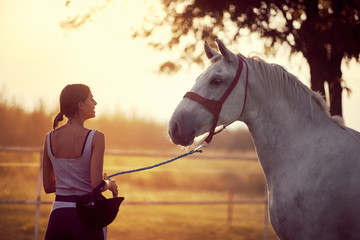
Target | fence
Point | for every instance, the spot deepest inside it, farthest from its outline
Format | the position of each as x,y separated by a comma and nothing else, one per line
231,202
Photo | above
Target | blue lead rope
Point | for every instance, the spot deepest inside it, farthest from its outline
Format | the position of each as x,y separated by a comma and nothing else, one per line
158,164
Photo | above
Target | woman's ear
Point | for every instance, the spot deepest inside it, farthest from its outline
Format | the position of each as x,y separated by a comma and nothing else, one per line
80,105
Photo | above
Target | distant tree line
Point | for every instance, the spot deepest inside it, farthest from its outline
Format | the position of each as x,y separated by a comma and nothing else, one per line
22,128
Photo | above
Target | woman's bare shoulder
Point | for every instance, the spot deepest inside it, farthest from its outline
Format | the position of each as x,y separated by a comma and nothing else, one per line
99,138
99,134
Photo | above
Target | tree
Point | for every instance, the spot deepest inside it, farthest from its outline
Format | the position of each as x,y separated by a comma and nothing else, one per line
324,31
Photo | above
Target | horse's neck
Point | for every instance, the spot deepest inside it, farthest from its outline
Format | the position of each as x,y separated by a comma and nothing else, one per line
278,126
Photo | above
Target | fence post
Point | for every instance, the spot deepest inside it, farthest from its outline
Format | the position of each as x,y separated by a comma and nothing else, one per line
266,215
230,207
37,211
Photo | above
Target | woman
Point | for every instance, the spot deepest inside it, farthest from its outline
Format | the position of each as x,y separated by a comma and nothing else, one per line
73,164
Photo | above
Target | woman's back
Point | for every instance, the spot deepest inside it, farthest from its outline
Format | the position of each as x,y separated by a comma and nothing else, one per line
72,167
68,141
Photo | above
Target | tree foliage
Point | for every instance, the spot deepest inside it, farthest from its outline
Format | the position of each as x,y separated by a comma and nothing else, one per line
324,31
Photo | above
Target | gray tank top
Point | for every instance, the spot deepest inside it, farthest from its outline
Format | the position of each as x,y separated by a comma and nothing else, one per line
72,174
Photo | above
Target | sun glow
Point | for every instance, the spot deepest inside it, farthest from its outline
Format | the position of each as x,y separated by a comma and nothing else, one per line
38,58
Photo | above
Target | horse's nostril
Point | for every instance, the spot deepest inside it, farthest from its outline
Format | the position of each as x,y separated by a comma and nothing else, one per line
175,128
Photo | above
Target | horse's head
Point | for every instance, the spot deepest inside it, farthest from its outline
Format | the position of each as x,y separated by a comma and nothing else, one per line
217,98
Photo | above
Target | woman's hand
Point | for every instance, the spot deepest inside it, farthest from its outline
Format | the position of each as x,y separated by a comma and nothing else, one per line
111,185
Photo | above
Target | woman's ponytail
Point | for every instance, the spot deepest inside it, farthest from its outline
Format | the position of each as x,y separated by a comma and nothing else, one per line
59,117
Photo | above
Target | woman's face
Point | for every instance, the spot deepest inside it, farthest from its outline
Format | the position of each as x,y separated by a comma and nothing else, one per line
87,107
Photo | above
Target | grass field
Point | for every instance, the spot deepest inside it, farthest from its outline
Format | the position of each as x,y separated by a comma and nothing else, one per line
188,179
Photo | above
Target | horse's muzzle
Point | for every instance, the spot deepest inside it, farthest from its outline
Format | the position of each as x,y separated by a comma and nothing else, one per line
181,132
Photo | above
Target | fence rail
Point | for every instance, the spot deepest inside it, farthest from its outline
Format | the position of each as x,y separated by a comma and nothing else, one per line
38,202
250,201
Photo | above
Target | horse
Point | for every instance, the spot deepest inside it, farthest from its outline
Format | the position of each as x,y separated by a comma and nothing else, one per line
311,161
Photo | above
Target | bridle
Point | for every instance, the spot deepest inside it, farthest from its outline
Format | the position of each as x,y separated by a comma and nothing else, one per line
214,106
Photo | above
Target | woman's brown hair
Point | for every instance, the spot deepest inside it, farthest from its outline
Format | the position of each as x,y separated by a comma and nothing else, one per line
70,97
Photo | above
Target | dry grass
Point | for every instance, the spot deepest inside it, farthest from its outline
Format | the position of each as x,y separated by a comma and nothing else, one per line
189,179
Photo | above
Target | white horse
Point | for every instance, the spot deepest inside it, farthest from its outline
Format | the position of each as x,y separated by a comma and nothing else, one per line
311,161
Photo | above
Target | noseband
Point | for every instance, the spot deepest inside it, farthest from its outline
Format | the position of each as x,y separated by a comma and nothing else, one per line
214,106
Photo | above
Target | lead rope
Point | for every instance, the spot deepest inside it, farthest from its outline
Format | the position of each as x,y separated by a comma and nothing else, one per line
196,150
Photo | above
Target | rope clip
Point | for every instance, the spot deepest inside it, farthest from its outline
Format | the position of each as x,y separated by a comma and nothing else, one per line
203,144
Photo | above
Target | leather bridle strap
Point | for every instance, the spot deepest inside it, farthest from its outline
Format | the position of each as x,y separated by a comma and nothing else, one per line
214,106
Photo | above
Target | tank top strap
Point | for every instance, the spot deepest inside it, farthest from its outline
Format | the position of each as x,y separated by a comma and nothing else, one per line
87,148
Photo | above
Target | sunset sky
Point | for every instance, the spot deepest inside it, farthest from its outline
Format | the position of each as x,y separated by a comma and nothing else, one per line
38,58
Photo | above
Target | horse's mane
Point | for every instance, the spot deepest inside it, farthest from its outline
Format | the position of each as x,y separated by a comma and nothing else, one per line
276,78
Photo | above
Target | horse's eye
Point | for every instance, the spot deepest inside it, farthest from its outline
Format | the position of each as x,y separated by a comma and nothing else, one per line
215,82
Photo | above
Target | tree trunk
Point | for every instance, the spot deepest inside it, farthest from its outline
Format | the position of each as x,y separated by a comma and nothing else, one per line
317,79
326,68
316,64
335,91
334,79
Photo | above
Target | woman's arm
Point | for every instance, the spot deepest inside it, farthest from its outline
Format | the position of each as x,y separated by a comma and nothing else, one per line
97,163
48,172
97,159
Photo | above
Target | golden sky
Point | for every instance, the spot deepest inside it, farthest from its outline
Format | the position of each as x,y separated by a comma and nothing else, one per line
38,58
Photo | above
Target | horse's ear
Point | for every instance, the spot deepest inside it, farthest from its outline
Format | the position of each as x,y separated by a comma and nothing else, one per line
228,55
210,52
